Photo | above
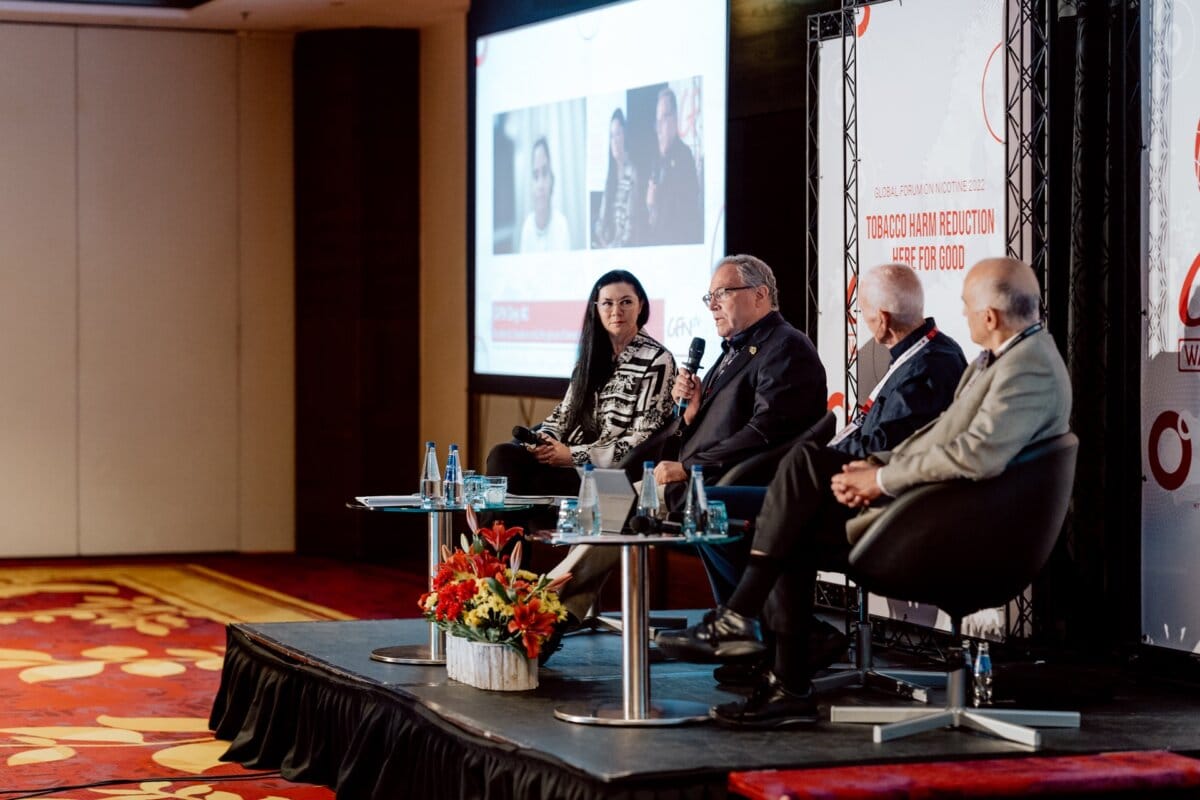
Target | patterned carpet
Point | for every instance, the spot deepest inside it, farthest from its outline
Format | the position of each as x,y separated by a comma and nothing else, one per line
107,673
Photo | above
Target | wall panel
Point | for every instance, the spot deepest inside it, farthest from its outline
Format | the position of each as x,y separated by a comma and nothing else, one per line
38,500
267,368
158,376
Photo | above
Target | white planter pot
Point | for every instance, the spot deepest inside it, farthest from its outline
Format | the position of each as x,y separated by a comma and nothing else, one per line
496,667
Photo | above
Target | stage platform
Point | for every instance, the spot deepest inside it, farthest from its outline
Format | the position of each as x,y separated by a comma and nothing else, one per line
307,699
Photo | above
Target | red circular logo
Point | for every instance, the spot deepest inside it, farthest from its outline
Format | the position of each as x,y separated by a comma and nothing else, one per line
1185,294
860,29
1170,421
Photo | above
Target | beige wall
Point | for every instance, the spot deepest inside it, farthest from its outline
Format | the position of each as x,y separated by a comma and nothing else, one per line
444,368
266,291
39,503
147,262
443,348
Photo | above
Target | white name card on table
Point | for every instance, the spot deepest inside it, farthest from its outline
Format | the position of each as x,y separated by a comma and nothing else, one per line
389,500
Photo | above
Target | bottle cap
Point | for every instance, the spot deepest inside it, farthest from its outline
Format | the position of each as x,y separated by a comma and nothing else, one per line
588,467
429,444
647,465
453,447
697,468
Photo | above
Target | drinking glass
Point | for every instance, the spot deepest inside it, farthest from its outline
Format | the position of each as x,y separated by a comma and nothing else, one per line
568,515
718,519
473,491
495,489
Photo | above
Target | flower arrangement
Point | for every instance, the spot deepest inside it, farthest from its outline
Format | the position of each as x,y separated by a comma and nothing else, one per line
482,594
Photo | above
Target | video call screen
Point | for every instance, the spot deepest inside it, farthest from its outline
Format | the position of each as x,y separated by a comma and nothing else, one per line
599,144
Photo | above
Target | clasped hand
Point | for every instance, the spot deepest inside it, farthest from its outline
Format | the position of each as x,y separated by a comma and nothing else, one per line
856,486
552,452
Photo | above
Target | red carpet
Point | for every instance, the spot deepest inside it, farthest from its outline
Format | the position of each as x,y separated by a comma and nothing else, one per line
108,668
1055,776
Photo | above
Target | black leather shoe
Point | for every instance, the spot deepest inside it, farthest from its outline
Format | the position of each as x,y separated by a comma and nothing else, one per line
740,673
770,706
722,635
825,645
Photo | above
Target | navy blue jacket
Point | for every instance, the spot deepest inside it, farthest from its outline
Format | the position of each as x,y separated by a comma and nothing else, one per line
916,393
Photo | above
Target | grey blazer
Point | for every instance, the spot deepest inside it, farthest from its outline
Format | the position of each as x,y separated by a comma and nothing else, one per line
1025,396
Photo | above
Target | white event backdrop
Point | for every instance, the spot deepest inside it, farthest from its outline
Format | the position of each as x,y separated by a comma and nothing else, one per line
1171,356
931,179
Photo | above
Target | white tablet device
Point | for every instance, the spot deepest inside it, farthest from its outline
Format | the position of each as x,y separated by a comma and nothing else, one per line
616,498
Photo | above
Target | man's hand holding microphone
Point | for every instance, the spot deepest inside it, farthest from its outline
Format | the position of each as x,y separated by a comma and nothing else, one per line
688,397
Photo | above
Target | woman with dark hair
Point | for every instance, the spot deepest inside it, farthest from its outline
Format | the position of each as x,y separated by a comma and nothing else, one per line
614,225
620,394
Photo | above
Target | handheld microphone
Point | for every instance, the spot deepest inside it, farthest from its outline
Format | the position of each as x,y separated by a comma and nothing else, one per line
524,435
692,365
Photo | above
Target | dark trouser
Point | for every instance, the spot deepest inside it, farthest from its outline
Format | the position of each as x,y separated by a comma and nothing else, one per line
725,563
526,475
802,528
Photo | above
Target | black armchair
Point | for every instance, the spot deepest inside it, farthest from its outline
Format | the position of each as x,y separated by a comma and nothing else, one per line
964,546
758,469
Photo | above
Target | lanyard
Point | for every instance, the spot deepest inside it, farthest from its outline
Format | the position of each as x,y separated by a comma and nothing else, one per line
1025,334
861,413
986,362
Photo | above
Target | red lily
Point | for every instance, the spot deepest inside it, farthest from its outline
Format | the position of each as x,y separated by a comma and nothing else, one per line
534,625
498,536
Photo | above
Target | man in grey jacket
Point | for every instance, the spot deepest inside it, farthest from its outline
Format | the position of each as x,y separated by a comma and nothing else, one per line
1015,394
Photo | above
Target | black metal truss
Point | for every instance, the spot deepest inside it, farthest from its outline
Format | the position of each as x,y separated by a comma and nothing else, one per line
1027,59
1026,77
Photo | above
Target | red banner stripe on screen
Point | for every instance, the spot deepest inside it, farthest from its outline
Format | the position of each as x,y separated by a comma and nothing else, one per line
552,321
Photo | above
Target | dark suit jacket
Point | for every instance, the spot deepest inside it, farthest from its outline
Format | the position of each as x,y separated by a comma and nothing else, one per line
916,393
772,389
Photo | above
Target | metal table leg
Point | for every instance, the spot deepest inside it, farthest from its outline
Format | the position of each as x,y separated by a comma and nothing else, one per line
635,708
434,653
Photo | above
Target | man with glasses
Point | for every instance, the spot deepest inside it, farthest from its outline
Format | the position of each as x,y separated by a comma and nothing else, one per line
766,387
1016,393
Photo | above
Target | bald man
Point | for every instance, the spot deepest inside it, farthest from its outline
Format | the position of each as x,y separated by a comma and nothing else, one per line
1015,394
925,366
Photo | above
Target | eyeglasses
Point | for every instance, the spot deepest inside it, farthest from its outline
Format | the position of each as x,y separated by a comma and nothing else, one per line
718,295
607,306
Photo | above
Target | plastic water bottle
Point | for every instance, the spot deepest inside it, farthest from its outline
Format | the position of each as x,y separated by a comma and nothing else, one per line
589,503
695,508
431,479
983,676
648,499
968,662
452,486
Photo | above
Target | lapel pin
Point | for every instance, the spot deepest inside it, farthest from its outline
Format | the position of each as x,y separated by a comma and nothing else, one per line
753,349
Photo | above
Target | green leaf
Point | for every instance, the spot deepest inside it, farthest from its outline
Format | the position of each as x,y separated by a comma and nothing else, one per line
498,589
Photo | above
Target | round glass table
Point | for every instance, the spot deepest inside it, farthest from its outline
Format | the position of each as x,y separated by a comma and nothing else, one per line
635,708
440,533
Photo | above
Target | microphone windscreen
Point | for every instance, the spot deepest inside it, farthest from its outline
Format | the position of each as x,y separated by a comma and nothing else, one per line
695,353
524,435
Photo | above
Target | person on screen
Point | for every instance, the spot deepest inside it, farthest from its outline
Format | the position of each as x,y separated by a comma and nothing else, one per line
1016,393
614,226
673,202
620,394
545,227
